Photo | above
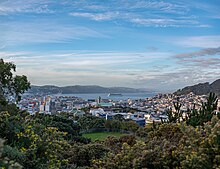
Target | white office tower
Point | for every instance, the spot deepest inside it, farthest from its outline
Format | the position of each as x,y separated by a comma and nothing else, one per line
41,108
47,108
30,108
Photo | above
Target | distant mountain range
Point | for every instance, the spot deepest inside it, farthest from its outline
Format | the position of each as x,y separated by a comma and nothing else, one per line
50,89
201,88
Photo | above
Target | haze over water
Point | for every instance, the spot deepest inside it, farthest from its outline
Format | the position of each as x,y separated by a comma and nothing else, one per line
124,96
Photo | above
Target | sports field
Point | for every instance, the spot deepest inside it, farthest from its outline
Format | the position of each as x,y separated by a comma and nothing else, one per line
101,135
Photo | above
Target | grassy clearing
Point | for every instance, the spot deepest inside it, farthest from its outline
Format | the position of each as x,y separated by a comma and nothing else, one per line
101,135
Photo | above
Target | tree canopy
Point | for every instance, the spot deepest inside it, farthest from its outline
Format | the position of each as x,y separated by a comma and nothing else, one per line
10,84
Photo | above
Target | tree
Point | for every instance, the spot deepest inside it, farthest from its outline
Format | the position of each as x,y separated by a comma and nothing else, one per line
4,161
11,85
174,117
91,122
206,112
118,117
20,85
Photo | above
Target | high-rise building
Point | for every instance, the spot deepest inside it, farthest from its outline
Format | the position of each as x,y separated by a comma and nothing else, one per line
99,100
42,108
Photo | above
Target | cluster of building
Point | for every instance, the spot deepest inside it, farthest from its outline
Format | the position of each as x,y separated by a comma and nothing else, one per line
50,104
144,110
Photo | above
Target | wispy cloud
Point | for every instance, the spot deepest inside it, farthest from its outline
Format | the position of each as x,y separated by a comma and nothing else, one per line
42,6
140,19
112,68
130,5
202,63
202,52
145,13
212,41
164,22
25,6
203,59
152,48
167,7
176,79
9,55
43,32
97,16
125,28
210,10
84,67
206,41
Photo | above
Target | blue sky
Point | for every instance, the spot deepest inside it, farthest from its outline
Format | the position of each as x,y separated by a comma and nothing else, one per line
160,45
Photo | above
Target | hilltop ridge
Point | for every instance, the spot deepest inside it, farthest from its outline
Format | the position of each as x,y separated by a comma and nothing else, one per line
201,88
51,89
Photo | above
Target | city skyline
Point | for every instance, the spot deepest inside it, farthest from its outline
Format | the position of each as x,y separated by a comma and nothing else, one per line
160,45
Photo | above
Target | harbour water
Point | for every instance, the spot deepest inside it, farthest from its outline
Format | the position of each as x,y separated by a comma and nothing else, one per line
124,96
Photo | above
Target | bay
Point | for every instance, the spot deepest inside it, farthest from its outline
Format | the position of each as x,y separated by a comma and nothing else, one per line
123,96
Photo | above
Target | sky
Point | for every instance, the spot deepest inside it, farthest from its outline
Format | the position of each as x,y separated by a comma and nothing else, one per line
153,44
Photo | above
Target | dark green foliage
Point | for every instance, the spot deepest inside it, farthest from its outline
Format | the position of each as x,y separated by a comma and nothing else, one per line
174,117
115,144
62,123
82,155
143,131
177,106
7,156
129,139
118,117
6,76
12,153
20,85
170,146
211,104
91,122
10,125
53,142
123,126
130,126
113,125
207,111
11,85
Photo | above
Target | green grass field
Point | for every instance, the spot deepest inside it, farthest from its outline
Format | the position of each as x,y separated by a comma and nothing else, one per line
102,135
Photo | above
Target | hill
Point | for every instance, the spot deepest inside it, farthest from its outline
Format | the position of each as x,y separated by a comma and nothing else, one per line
50,89
201,88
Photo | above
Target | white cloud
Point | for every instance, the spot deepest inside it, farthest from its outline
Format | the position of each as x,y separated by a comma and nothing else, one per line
42,31
147,13
166,7
9,55
107,68
42,6
212,41
24,6
97,16
141,19
164,22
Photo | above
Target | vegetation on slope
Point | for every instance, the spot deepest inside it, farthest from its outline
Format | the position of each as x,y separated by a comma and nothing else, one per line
54,141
